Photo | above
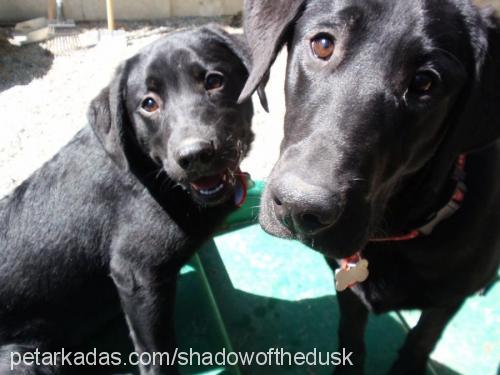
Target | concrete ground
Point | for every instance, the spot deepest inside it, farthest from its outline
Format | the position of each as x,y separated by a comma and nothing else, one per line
45,90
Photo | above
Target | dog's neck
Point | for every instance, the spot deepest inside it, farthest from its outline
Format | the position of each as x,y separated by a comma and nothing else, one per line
420,195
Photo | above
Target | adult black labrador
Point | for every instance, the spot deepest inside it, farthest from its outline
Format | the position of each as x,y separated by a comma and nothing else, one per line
385,102
111,219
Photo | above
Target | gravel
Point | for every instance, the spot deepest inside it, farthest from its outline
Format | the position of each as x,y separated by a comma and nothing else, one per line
45,91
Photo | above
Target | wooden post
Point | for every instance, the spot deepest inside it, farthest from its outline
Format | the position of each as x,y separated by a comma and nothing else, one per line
110,15
51,10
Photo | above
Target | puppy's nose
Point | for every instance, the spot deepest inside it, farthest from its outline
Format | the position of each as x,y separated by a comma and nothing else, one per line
305,208
194,153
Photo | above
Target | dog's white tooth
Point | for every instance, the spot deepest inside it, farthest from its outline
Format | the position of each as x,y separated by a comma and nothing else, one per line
208,192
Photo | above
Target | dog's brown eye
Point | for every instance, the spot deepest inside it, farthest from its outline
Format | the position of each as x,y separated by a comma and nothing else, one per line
423,83
214,81
323,46
150,105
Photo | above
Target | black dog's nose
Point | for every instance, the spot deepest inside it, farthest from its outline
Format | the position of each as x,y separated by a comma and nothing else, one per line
194,153
304,208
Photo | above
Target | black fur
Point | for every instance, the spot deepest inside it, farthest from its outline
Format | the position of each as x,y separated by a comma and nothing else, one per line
365,156
111,218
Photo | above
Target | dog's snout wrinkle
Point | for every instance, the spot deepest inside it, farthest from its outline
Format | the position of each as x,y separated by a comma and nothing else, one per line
295,189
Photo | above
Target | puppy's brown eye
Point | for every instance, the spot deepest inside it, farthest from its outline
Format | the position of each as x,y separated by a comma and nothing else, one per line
150,105
214,81
423,83
323,46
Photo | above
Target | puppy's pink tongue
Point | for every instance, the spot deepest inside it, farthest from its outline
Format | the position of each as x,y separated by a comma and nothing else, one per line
207,182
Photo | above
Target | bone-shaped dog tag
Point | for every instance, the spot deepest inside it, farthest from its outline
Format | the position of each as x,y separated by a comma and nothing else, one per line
351,274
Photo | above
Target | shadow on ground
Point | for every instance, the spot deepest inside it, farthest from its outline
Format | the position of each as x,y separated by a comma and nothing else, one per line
20,65
256,323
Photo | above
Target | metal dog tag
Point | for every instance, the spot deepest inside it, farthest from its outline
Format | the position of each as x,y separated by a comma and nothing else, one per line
350,274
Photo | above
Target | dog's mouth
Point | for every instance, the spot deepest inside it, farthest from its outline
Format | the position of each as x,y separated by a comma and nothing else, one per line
218,188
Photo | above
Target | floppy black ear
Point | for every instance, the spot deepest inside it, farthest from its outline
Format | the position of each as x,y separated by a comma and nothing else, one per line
237,44
107,116
266,23
480,119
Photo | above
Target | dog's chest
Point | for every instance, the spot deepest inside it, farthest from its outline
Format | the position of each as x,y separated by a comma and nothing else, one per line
404,278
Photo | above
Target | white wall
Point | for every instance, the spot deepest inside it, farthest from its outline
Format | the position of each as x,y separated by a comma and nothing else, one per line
205,7
91,10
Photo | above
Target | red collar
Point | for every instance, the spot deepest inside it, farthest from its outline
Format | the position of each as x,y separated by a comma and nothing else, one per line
354,270
241,188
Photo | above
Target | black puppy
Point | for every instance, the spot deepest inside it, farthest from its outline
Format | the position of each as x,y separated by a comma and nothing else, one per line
115,214
382,98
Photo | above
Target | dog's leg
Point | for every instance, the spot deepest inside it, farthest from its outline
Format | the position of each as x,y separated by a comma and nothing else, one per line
21,360
421,341
352,324
351,331
148,304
